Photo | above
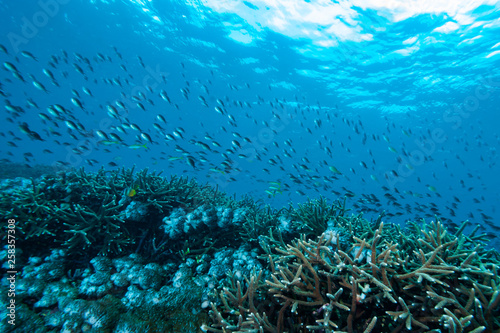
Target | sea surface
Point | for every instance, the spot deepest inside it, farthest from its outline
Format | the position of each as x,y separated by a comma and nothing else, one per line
392,104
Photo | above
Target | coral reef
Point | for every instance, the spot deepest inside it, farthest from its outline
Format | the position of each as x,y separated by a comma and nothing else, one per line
180,222
312,217
125,294
112,212
122,251
119,211
436,282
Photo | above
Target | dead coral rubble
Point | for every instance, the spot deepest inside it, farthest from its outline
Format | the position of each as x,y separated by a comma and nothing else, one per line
436,282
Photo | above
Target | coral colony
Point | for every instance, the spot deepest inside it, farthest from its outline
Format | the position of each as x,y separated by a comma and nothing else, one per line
125,251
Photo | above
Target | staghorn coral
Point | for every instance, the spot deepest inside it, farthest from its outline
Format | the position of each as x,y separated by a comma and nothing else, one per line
94,213
437,282
98,213
358,276
311,218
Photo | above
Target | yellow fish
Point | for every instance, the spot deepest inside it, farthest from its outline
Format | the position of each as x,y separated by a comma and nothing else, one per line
133,191
273,193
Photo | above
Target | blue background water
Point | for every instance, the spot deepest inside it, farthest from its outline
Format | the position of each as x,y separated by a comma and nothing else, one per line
413,93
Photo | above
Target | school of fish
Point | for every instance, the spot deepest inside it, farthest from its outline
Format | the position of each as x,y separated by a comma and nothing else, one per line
109,110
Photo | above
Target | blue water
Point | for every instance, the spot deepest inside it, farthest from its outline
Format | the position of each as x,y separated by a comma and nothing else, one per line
402,102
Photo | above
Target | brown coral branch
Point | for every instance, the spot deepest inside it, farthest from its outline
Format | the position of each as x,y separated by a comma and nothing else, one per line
354,302
373,279
371,325
495,299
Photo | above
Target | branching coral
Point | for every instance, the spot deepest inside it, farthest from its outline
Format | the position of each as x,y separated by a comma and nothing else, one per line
312,217
440,283
245,305
259,222
110,212
98,213
356,276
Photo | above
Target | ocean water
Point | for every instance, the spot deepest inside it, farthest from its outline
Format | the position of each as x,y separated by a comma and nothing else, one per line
401,100
392,105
